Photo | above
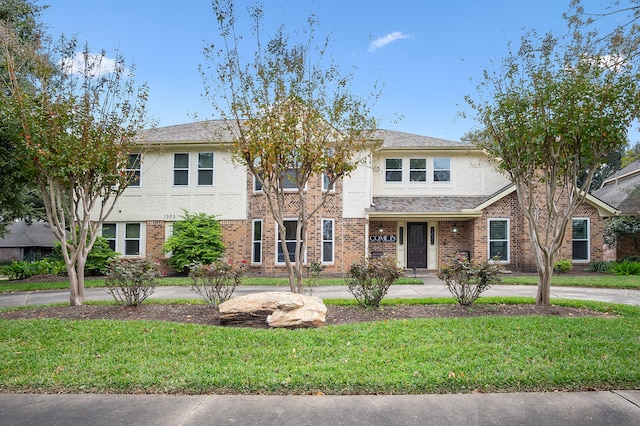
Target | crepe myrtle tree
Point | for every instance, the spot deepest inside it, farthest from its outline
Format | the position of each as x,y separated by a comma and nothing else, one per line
549,114
293,117
79,116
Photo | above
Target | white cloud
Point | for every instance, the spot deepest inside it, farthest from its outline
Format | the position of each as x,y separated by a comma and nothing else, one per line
383,41
96,64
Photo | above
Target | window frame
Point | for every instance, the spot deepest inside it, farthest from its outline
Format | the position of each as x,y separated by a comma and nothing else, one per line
181,170
440,170
413,170
325,183
135,168
256,242
395,171
586,240
128,239
506,240
110,239
279,248
206,169
331,241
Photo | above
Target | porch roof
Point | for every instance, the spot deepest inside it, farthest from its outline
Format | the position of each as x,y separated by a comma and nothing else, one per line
446,206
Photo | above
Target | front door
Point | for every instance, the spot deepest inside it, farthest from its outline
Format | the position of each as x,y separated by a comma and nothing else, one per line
417,245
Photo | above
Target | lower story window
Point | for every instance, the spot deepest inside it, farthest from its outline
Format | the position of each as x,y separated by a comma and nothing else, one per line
132,239
499,239
327,241
290,241
110,233
580,239
256,254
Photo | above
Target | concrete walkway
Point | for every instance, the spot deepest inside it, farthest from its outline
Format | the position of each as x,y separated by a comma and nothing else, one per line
618,408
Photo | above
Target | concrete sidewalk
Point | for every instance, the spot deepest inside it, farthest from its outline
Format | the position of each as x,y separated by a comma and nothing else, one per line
619,408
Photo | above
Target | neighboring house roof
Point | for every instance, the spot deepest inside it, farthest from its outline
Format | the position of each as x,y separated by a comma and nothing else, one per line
622,189
21,234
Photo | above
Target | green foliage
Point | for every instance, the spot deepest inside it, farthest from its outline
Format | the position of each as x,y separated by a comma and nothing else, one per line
369,279
197,238
314,269
625,267
619,227
563,265
466,279
601,266
131,281
98,258
22,269
217,281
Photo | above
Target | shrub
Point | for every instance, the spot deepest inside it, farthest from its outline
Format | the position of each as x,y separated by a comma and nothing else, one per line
625,268
98,260
195,239
562,265
131,281
23,269
217,281
466,280
601,266
369,279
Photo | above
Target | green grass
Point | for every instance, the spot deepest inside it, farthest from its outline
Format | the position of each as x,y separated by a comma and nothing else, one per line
571,280
11,286
386,357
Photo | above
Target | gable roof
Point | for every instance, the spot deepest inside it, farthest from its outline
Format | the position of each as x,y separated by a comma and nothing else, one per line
22,234
392,139
622,189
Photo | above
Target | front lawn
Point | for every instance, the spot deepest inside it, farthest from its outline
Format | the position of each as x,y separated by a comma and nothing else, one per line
484,354
578,280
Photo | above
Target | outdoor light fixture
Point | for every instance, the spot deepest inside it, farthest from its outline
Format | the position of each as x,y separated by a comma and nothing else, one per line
454,229
381,230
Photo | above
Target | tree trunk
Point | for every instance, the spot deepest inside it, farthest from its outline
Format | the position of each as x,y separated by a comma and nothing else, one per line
545,273
76,283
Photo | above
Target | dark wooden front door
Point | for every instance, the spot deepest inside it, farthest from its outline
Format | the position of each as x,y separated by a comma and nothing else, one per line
417,245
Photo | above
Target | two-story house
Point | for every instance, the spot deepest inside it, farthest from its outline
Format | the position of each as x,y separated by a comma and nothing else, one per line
416,198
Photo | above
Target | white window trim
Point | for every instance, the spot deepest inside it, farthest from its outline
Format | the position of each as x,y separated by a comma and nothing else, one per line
139,239
434,170
174,169
426,171
401,170
333,241
588,240
489,240
325,180
121,238
254,241
212,168
277,228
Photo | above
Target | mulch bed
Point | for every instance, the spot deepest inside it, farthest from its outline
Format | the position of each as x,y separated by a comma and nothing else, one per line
202,314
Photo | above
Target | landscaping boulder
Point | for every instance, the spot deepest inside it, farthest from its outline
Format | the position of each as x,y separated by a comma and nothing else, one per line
273,309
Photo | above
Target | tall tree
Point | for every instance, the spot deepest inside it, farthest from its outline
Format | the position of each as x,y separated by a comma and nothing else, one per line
551,113
293,116
79,115
19,17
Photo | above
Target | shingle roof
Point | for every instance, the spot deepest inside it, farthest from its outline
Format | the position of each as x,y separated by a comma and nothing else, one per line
433,204
21,234
623,191
221,131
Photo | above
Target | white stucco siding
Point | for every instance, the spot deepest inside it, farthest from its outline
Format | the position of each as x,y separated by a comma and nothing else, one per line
471,174
356,190
158,198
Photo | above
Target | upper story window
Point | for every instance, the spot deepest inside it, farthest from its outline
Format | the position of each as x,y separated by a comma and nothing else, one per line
499,239
289,179
393,170
205,168
580,239
418,170
326,184
181,169
133,169
442,169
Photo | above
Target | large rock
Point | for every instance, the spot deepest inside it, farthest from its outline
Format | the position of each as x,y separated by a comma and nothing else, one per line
274,309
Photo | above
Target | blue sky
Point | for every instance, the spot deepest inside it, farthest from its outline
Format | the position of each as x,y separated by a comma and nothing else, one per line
426,54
